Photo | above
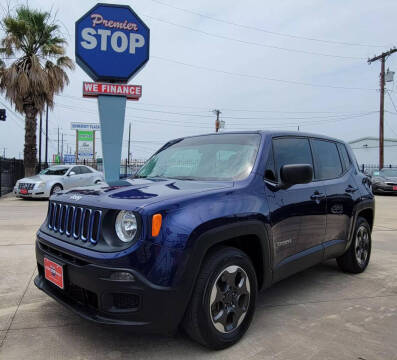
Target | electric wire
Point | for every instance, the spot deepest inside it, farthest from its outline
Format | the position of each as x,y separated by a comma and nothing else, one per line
250,27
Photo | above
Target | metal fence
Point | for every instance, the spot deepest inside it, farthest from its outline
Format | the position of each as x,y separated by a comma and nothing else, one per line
126,169
369,168
11,170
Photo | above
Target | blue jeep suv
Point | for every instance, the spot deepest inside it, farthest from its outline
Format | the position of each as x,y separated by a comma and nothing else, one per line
207,222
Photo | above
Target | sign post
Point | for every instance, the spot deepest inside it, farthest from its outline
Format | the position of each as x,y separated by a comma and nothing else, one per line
112,45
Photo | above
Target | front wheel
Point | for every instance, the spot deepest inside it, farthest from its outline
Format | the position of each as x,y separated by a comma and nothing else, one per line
355,260
56,189
223,301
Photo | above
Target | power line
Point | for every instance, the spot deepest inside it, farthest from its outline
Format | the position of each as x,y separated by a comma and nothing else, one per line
252,42
259,77
391,99
205,109
250,27
196,124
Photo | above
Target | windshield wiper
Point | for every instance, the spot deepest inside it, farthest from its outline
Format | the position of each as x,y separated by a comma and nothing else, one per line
183,178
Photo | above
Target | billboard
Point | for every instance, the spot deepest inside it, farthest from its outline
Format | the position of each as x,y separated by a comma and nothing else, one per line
85,144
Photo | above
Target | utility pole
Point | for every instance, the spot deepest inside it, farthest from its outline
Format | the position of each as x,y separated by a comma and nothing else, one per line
58,142
62,147
46,137
4,153
40,130
217,122
382,57
129,144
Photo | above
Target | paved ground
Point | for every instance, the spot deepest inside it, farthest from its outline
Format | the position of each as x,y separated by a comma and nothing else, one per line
318,314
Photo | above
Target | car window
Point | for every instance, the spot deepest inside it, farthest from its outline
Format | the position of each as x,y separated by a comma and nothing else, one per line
344,156
84,170
76,170
290,150
54,170
326,159
270,169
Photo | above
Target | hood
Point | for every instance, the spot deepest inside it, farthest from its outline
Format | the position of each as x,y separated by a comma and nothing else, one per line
138,192
38,178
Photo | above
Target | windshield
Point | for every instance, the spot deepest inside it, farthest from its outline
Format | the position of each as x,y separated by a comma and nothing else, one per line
211,157
54,170
388,172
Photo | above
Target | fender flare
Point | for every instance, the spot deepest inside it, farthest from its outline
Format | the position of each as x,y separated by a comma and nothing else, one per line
201,243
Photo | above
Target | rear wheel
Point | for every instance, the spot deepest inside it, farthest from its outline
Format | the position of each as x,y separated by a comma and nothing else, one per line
56,188
223,301
356,258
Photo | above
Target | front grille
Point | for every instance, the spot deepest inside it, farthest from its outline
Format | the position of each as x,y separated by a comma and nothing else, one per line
390,183
27,186
81,223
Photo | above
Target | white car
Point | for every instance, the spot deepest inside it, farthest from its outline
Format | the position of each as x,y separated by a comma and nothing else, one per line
55,179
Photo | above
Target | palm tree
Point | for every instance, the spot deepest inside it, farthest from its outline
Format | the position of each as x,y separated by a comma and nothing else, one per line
35,50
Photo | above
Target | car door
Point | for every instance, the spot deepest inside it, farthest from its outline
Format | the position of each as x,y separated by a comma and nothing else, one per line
333,166
297,213
86,176
75,180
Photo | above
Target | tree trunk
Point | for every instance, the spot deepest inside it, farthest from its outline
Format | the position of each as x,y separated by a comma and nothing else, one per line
30,150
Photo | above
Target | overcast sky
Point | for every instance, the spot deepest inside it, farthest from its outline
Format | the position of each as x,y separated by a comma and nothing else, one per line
229,67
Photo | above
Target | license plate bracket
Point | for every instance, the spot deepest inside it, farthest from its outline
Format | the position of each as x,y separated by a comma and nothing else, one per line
23,191
53,272
395,187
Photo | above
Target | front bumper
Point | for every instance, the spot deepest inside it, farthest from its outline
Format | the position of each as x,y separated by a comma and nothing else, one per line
35,193
90,293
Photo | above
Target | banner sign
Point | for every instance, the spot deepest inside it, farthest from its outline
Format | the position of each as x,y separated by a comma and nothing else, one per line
85,140
69,159
85,126
93,89
112,43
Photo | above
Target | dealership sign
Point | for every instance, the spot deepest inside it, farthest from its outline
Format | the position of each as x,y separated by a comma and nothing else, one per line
85,146
84,126
92,89
112,43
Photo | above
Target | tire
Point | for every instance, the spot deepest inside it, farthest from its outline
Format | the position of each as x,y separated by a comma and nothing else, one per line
222,267
355,260
56,188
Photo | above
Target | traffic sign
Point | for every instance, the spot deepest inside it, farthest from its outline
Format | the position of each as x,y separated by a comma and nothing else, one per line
112,43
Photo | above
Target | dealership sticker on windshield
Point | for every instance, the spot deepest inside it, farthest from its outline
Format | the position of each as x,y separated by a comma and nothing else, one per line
53,272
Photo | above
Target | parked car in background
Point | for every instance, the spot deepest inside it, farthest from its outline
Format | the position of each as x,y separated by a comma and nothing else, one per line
57,178
384,181
206,223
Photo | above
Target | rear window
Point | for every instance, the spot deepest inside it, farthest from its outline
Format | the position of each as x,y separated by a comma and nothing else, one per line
344,156
327,163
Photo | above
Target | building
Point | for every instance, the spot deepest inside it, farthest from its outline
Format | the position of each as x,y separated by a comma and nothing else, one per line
366,150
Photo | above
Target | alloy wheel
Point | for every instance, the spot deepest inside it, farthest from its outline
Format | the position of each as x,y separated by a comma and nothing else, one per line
230,299
362,245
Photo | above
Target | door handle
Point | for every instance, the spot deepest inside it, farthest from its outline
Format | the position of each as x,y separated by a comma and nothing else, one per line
351,189
317,196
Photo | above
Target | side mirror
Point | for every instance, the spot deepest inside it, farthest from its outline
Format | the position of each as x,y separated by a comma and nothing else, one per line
296,174
72,173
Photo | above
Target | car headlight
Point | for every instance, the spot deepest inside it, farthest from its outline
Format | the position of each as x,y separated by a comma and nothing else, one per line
40,185
126,226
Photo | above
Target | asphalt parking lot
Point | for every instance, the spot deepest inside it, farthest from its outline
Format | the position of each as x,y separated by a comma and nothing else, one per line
320,313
